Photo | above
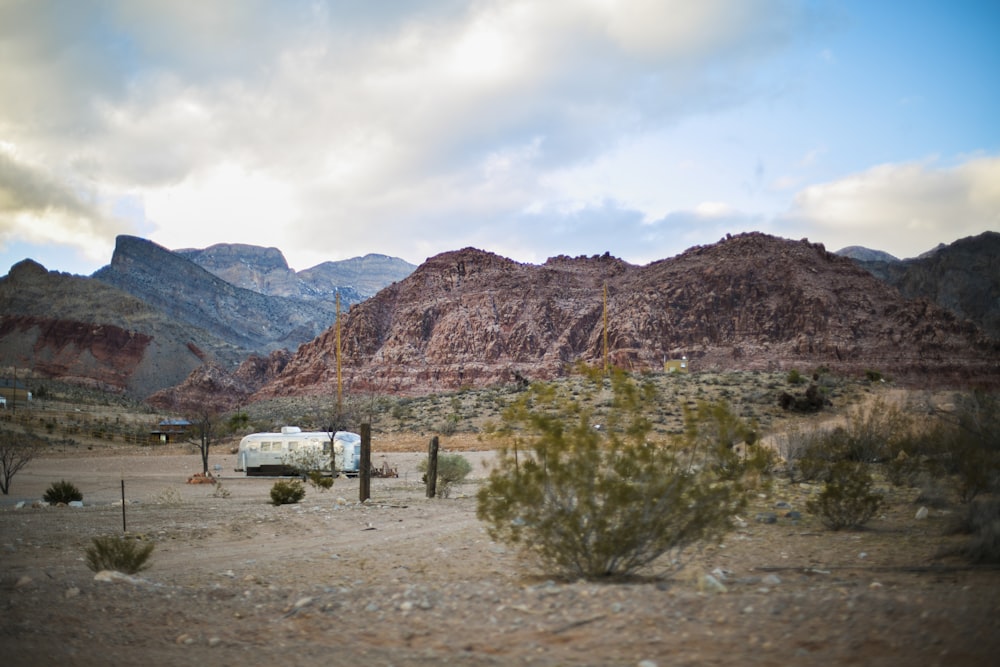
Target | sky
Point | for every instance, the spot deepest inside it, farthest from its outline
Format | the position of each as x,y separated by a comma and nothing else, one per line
335,128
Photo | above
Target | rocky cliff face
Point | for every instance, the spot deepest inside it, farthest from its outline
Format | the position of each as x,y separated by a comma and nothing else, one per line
266,271
188,293
210,388
472,318
364,275
84,331
963,277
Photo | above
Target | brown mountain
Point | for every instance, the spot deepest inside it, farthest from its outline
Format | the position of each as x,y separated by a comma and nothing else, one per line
753,301
266,271
81,330
211,388
188,293
963,277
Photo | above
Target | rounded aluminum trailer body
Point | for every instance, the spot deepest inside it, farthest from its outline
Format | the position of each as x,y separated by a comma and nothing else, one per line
293,450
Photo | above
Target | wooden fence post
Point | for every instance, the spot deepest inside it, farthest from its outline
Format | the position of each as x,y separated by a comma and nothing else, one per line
365,472
432,467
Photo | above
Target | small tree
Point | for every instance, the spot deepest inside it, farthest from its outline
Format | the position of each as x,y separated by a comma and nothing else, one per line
16,451
205,423
591,502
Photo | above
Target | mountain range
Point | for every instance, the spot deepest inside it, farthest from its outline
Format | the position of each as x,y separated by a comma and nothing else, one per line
180,328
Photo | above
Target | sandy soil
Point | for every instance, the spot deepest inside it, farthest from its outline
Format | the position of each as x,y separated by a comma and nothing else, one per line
404,580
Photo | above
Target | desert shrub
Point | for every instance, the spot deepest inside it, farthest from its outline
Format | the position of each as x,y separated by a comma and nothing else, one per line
816,454
812,400
119,554
976,470
448,425
287,492
904,470
451,469
875,431
726,442
589,502
790,446
309,464
981,521
847,499
880,431
167,496
62,492
971,444
319,481
795,377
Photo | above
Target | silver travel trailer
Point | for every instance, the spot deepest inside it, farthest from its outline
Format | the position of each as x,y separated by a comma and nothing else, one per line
293,450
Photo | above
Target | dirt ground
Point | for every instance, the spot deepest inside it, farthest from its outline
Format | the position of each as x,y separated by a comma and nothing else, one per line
406,580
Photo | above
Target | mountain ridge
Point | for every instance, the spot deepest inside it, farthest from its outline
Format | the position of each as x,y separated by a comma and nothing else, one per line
474,318
751,301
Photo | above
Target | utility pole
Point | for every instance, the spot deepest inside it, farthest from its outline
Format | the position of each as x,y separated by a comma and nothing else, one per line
605,327
339,386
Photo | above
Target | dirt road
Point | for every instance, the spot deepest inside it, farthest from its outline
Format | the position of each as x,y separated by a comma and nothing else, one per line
403,580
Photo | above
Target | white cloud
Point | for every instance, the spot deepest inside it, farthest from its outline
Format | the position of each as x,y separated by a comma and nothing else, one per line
903,208
332,129
38,207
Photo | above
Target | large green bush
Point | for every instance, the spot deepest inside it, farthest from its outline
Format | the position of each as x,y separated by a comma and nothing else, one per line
594,502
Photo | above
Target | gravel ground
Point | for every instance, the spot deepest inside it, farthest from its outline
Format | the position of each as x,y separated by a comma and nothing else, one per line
406,580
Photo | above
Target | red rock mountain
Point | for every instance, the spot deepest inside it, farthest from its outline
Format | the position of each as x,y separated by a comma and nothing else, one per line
753,301
211,388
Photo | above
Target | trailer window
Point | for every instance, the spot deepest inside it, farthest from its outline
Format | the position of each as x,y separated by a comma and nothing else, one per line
265,446
326,446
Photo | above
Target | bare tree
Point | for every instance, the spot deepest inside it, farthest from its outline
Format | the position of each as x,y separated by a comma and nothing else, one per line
205,424
16,451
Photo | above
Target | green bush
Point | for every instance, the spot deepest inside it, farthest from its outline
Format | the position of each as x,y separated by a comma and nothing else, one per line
812,400
795,377
62,492
880,432
595,502
726,442
287,492
451,469
320,481
847,500
119,554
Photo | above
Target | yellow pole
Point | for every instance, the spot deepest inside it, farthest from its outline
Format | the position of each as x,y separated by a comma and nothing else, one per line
339,386
605,328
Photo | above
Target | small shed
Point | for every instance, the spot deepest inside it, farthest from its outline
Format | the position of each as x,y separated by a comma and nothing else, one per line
170,430
676,365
